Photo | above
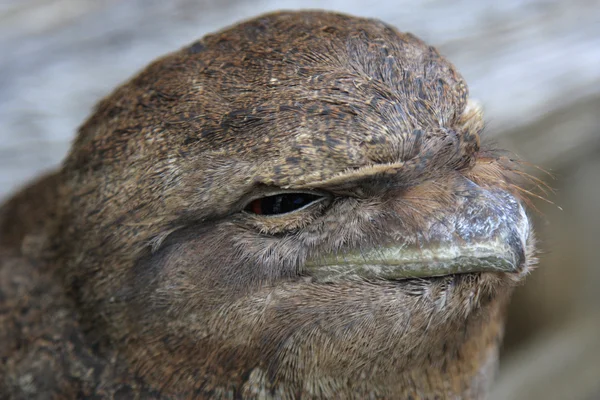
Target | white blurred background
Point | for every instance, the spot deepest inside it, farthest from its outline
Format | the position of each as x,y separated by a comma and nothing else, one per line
534,65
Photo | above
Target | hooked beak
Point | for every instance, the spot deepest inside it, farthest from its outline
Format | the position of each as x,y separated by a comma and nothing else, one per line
488,232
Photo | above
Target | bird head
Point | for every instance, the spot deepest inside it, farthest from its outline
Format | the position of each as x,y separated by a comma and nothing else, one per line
297,204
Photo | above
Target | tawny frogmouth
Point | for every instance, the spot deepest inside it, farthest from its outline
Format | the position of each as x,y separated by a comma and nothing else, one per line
295,207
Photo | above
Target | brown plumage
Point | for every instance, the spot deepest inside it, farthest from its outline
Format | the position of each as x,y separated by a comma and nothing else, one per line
161,260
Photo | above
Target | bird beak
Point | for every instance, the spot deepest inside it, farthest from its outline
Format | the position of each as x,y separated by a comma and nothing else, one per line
487,233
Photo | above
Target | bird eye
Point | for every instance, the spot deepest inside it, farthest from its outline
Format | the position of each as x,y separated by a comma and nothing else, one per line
281,203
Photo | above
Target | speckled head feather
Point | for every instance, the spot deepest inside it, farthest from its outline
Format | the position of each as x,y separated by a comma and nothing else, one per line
173,288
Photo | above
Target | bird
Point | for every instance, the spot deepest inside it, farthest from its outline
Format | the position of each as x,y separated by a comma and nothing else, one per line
298,206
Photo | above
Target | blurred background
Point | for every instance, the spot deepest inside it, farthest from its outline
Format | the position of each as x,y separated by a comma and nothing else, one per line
534,66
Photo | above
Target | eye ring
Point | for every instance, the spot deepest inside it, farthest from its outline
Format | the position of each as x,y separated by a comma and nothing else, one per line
282,203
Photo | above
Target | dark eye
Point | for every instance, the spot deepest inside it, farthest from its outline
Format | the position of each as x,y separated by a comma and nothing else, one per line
281,203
